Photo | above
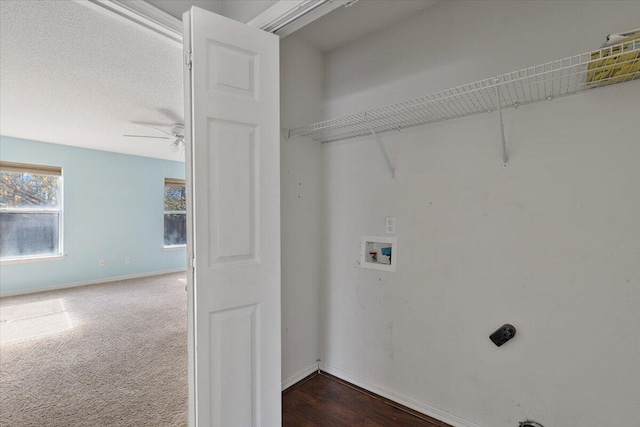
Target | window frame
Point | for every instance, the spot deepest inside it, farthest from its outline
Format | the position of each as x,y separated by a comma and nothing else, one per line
38,170
172,181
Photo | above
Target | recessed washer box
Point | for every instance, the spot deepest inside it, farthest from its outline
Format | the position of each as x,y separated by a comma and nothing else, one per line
378,253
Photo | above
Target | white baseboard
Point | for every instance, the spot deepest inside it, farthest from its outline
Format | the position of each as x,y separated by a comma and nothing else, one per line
89,282
402,400
300,375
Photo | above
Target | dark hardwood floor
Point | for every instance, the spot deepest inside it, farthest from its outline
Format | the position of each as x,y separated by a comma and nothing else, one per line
326,401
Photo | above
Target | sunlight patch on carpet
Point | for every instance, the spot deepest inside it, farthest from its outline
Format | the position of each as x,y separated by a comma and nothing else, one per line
32,320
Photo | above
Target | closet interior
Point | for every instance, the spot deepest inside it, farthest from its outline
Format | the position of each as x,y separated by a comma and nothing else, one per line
481,196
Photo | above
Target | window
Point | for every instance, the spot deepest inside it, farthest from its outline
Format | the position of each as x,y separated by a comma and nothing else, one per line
30,211
175,213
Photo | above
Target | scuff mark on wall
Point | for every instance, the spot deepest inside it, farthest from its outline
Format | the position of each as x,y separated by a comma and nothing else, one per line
359,297
389,341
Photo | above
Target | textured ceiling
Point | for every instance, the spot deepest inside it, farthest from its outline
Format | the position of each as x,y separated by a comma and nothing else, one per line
74,75
347,24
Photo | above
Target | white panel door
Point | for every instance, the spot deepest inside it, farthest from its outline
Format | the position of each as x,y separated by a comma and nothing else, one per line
232,130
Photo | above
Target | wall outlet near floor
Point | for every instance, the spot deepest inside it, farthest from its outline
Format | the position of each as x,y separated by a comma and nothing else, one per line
102,263
390,225
127,260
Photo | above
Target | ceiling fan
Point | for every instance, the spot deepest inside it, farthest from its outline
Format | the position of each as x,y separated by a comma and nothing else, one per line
175,136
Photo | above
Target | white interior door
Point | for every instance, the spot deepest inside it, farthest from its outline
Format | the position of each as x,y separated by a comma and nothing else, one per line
233,138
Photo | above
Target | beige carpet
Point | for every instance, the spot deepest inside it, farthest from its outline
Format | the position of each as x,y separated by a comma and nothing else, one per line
113,354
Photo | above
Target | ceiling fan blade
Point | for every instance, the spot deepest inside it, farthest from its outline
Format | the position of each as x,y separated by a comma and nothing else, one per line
156,124
147,136
153,126
159,130
171,115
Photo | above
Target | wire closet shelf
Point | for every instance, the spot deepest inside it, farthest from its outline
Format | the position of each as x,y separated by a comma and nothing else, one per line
604,67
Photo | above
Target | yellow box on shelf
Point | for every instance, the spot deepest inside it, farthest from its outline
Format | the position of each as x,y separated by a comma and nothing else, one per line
615,64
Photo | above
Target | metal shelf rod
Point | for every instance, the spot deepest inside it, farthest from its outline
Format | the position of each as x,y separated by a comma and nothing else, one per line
505,156
384,153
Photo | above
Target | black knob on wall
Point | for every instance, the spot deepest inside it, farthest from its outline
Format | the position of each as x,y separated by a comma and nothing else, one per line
503,334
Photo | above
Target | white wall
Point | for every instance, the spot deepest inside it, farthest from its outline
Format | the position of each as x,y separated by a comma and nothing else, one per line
551,245
458,42
301,86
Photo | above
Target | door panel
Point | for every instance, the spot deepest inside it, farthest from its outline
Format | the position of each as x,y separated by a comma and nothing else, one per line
235,235
233,110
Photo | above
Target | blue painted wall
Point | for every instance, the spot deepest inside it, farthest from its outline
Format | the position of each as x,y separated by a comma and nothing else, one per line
113,209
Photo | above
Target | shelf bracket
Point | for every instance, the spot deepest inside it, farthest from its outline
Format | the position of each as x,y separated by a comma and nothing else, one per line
384,152
505,154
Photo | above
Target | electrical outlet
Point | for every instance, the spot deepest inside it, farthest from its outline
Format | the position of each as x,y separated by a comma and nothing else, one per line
127,260
102,263
390,225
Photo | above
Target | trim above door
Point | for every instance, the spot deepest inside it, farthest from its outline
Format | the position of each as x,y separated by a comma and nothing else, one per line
142,13
286,17
283,18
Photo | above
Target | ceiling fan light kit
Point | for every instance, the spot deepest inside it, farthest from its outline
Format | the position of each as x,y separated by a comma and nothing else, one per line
177,138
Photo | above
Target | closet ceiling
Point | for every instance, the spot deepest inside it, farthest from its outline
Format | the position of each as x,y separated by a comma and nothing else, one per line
240,10
347,24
